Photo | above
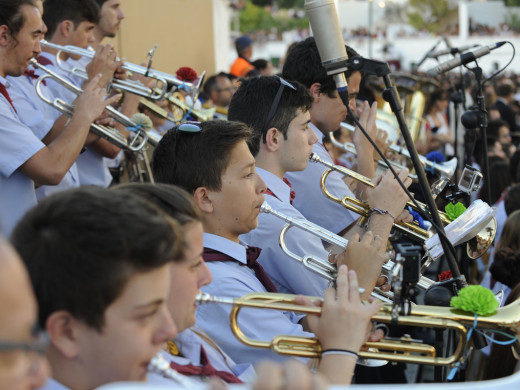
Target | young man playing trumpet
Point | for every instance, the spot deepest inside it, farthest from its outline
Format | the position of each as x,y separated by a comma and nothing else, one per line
303,64
25,159
282,141
100,282
212,161
72,23
193,352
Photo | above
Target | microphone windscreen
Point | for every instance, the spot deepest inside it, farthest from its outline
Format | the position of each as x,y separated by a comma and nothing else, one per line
327,34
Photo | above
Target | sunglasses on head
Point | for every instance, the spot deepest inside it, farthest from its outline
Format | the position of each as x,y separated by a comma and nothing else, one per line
274,105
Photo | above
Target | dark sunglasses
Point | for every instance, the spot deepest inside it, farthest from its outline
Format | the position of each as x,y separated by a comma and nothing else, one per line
274,106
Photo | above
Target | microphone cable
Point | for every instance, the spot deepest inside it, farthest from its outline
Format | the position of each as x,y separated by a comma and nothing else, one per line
420,210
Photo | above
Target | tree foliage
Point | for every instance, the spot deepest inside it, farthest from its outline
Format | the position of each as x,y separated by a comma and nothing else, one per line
433,15
254,18
512,3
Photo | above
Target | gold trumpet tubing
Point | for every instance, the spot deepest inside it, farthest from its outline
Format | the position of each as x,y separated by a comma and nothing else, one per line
110,134
364,180
204,114
156,93
411,352
159,111
411,229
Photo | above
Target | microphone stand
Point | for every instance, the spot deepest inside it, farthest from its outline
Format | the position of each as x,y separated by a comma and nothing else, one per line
481,114
416,67
381,69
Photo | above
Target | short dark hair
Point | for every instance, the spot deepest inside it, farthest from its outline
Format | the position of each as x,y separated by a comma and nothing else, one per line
193,160
504,89
494,126
303,64
512,199
211,84
260,64
77,11
81,247
11,15
173,200
253,99
100,2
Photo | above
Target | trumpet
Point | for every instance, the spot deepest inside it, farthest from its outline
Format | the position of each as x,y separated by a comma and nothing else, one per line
135,87
202,114
133,144
445,169
410,229
321,266
402,350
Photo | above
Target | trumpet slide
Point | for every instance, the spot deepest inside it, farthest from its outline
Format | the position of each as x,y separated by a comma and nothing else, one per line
410,229
446,169
320,266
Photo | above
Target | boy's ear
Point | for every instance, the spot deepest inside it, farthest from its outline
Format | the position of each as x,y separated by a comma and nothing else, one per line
315,91
5,36
62,328
203,200
272,139
66,28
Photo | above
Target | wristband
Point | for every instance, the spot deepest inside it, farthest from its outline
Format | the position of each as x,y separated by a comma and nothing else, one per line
345,352
375,210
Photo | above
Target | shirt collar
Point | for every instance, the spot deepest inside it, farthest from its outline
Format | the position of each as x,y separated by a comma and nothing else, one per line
276,185
189,344
232,249
318,132
4,82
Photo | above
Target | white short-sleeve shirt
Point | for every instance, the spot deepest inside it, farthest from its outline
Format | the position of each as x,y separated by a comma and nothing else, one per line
18,144
234,280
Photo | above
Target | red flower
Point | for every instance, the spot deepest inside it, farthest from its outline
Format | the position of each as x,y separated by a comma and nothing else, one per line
445,276
186,73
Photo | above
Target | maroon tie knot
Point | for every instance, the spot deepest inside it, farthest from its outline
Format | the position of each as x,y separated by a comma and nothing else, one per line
205,369
30,73
252,254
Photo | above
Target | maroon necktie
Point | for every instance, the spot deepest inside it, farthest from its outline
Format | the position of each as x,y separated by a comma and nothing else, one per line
44,61
30,73
4,92
292,194
252,253
205,369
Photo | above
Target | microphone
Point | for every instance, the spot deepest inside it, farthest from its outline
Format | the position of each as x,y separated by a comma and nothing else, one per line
453,50
463,59
324,23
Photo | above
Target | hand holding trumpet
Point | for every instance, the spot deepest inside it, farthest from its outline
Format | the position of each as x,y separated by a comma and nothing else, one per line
344,324
359,250
91,103
104,62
